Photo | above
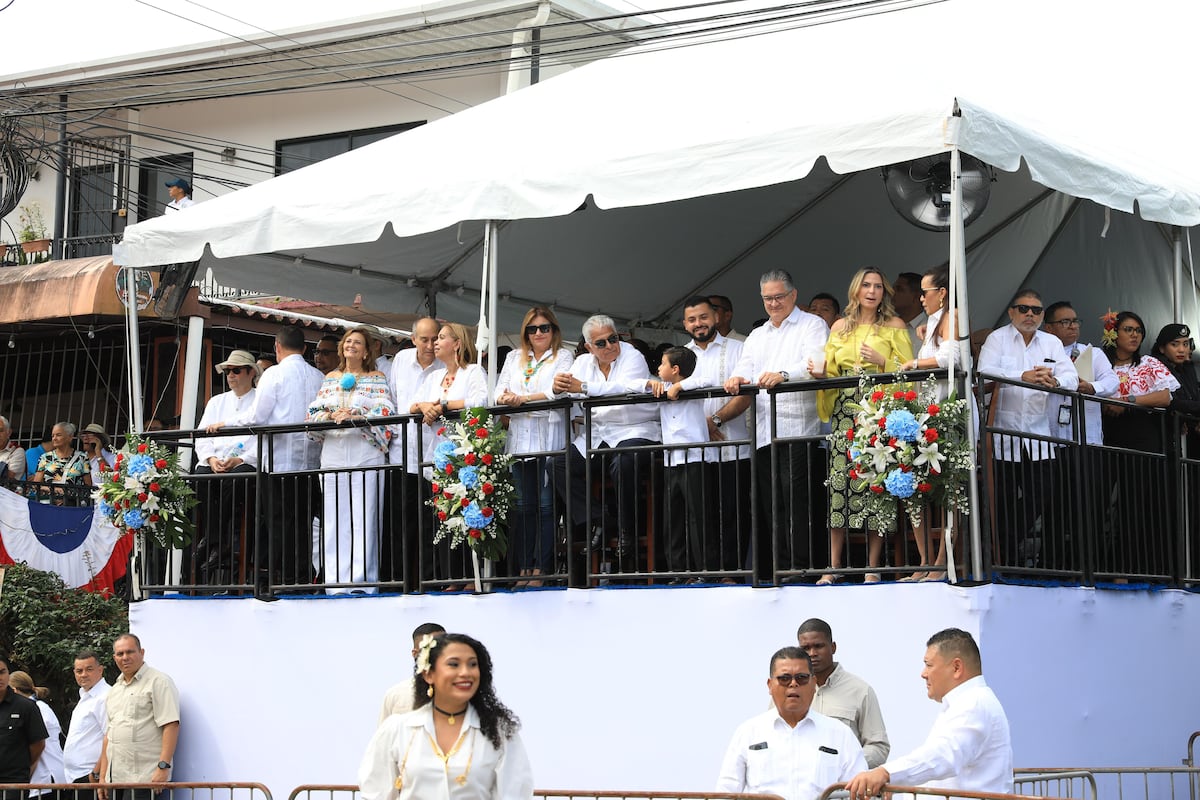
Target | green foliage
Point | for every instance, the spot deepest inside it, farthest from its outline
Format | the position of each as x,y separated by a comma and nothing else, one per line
43,622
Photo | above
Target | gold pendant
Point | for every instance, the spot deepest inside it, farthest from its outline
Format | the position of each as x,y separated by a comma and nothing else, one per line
461,780
450,719
399,783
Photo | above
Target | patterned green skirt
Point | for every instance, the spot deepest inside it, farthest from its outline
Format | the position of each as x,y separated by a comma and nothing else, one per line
845,503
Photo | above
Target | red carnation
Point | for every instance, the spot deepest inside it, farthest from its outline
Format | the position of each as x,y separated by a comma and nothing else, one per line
143,497
905,468
933,409
473,421
931,434
474,533
853,473
892,442
898,395
924,487
441,431
850,434
910,395
488,488
161,463
154,517
447,494
876,396
482,433
436,488
876,488
142,447
442,516
154,487
487,459
487,511
466,502
874,439
386,412
883,422
449,469
469,459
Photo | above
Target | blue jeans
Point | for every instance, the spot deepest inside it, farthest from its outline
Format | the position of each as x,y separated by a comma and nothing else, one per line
532,538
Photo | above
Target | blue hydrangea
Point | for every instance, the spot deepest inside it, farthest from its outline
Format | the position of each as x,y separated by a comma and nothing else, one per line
900,484
902,425
135,519
442,453
106,509
474,517
140,464
469,477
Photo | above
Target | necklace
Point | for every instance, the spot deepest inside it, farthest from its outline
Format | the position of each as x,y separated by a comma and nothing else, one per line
449,714
461,780
532,367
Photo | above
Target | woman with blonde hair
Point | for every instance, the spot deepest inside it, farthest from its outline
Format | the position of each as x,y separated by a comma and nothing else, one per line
528,376
869,338
49,767
351,483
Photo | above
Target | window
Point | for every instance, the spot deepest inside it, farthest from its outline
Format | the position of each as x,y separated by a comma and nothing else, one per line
292,154
153,174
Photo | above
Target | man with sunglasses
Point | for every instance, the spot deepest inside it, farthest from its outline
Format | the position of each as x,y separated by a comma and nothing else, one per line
1024,466
610,367
221,501
325,356
790,750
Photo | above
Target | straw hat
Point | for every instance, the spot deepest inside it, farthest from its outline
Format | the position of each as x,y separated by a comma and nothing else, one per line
240,358
101,434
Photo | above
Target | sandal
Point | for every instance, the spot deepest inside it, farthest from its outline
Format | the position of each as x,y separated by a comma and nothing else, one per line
916,577
872,577
828,580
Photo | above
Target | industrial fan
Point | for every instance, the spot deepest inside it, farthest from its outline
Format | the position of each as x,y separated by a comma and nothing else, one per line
920,189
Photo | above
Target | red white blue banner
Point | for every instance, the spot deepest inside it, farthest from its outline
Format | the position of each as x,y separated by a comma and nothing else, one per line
78,544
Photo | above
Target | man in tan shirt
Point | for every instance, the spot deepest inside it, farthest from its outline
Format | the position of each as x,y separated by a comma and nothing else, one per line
143,723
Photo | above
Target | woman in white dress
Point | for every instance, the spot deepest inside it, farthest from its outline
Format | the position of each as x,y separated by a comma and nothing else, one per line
460,384
353,391
528,376
50,767
459,743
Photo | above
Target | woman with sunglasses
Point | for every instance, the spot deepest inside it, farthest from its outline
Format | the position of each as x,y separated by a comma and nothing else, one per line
528,377
460,384
351,483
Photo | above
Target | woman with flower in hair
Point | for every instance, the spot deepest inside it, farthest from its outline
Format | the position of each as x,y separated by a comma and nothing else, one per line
1142,380
460,384
459,743
351,482
869,338
528,376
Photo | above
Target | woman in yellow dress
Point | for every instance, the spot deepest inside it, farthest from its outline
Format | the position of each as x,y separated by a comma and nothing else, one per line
869,338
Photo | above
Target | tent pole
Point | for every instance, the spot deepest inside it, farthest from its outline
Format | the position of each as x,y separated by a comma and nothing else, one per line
958,300
134,360
493,235
187,415
1177,283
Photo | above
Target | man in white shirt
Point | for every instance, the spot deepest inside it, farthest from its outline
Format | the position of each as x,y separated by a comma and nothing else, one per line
791,750
181,195
727,468
723,310
221,502
284,541
12,457
969,747
399,698
1024,467
609,368
906,297
89,720
784,349
402,498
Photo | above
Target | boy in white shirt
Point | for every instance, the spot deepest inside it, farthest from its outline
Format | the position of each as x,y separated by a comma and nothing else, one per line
683,422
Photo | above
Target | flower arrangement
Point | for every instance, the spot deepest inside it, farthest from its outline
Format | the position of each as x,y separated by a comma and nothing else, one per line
143,493
472,484
907,448
1109,337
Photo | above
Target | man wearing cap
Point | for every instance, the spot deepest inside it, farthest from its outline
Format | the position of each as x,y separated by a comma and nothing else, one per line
98,447
221,502
12,457
181,195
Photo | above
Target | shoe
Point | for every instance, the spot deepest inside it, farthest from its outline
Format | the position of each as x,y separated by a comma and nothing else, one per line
934,577
914,578
534,584
677,582
872,577
828,580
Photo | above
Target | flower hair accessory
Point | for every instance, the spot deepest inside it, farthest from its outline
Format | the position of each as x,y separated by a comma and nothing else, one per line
1109,337
423,651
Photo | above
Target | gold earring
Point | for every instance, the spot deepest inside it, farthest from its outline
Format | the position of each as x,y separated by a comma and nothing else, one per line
429,691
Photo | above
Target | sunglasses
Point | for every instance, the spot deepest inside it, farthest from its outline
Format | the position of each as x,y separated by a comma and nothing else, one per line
1021,308
614,340
800,678
530,330
238,370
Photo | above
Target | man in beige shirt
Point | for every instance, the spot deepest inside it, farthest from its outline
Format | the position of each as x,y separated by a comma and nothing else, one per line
399,699
143,723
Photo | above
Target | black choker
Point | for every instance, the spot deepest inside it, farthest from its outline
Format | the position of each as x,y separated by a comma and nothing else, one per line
449,714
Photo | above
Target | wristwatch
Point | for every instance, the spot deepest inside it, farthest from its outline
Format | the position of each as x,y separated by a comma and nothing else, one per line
717,421
784,374
583,387
164,765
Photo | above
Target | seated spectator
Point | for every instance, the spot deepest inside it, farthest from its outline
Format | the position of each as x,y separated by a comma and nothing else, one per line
62,464
220,502
12,457
608,369
98,448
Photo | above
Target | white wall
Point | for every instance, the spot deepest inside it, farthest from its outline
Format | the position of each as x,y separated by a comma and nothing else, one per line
641,689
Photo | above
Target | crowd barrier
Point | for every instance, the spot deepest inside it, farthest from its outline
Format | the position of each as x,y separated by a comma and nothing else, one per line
159,791
343,792
838,791
1066,783
1088,515
1123,783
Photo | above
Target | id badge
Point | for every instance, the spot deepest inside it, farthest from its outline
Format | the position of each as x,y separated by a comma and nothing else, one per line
1064,415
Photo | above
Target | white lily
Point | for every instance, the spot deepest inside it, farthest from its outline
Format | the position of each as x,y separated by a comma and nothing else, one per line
133,483
880,454
151,503
930,455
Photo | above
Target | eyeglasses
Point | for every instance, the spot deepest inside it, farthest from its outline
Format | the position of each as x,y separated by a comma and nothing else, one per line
1132,329
614,340
800,678
771,299
1066,323
321,352
530,330
1021,308
237,370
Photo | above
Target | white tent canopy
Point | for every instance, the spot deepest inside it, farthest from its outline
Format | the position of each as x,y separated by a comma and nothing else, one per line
716,161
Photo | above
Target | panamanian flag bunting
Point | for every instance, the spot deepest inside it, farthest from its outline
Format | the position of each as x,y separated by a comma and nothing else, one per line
79,544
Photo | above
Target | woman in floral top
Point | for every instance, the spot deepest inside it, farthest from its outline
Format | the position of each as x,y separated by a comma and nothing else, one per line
1144,381
351,481
62,464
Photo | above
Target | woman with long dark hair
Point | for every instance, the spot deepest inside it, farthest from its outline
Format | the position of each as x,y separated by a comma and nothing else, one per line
458,743
1142,380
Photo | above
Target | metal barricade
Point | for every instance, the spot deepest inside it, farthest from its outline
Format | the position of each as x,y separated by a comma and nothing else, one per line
182,790
838,791
1068,783
1132,783
346,792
